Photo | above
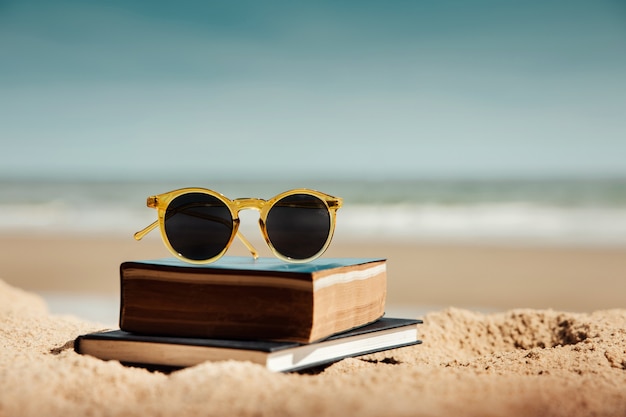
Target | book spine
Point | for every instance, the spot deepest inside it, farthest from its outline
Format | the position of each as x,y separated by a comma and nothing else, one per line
192,308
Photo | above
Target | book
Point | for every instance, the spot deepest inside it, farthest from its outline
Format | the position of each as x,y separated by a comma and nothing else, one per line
243,298
178,352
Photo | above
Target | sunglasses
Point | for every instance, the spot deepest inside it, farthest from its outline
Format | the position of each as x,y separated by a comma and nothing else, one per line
198,225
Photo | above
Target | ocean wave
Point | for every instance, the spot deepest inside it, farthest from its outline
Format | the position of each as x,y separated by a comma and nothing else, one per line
61,217
494,222
511,222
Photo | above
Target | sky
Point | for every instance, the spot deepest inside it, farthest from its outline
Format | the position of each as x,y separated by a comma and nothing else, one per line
354,89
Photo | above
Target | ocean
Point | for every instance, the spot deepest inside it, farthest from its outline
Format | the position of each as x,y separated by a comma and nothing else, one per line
538,212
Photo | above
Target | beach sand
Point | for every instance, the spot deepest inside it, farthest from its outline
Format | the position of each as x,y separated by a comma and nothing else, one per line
554,345
487,278
515,363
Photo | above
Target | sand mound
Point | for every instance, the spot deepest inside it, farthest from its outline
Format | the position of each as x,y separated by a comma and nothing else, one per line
518,363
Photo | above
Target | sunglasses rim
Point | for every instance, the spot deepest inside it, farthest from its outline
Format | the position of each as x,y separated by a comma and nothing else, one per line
168,198
331,228
162,201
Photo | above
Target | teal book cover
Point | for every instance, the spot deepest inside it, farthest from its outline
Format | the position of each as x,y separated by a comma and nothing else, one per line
264,264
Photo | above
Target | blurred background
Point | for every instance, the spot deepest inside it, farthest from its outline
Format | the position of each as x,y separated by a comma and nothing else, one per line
479,145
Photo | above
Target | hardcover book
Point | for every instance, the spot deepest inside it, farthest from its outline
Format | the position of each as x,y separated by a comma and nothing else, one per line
243,298
178,352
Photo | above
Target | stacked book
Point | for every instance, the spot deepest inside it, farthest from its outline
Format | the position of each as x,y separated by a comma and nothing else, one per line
286,316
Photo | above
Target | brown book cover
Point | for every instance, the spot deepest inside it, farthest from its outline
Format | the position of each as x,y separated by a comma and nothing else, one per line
243,298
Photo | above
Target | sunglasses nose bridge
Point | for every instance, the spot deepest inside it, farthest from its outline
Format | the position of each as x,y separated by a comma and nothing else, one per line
249,203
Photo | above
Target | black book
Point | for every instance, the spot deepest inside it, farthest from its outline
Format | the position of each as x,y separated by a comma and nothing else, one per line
179,352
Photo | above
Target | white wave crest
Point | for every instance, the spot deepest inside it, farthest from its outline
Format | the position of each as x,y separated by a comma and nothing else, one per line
515,222
497,222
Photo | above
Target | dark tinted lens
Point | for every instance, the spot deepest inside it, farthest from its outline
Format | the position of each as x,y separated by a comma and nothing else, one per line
298,226
198,225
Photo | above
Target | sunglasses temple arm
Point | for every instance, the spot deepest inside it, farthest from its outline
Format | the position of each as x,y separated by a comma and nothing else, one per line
140,234
246,242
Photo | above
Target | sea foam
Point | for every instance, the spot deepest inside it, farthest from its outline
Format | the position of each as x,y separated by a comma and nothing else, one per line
535,212
479,223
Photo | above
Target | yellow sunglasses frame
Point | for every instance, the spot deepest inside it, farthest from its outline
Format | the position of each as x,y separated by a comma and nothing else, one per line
160,202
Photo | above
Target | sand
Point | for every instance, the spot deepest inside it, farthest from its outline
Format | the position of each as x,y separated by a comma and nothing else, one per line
554,345
516,363
488,278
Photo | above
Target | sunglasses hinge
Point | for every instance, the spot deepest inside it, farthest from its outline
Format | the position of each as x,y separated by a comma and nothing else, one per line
152,202
333,204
